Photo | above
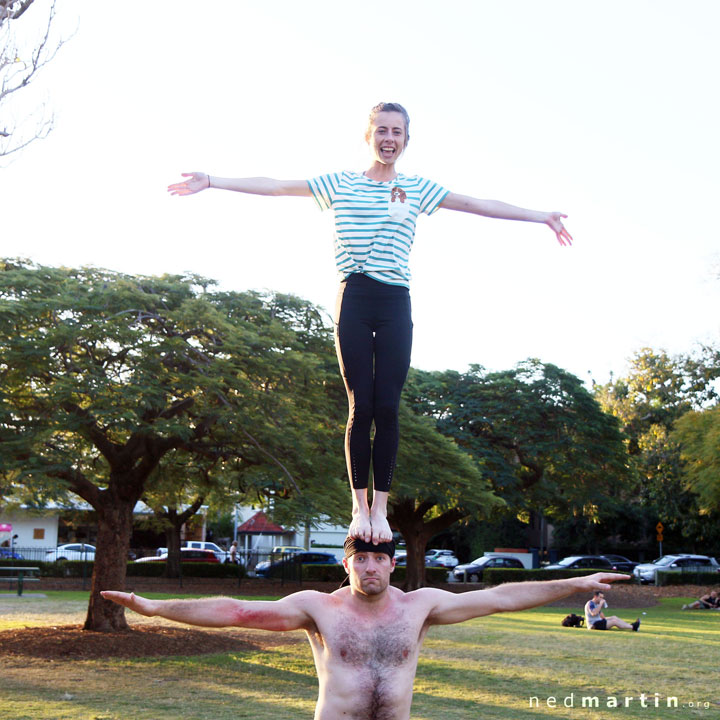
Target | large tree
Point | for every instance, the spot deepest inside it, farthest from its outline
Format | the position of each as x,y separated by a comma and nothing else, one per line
542,437
102,375
436,484
657,391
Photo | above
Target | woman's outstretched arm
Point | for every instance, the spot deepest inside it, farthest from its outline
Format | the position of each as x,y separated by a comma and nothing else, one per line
197,181
503,211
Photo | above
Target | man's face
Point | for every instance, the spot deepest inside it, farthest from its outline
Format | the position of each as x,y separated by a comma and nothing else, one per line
600,597
369,572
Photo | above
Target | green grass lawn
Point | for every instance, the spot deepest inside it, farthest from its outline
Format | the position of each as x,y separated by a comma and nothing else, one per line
505,666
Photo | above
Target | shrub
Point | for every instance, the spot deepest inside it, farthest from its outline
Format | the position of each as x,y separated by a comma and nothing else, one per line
323,573
66,568
687,578
496,576
189,569
332,573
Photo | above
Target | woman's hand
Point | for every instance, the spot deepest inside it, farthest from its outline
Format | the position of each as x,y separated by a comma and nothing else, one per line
554,222
196,182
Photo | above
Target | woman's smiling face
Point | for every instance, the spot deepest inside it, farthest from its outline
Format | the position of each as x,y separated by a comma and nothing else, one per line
386,136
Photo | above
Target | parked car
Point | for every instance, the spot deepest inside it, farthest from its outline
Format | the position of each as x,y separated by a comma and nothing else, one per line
621,563
440,558
8,554
306,557
281,552
283,549
473,571
682,562
186,555
222,555
71,551
401,559
580,562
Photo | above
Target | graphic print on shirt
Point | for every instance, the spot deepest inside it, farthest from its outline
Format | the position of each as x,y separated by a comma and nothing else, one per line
398,208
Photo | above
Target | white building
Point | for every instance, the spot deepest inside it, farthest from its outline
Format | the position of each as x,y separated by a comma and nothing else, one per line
34,528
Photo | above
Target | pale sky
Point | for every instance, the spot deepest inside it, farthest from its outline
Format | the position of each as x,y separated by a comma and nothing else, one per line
607,111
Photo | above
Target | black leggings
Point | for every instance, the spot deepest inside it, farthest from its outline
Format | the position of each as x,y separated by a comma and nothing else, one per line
373,338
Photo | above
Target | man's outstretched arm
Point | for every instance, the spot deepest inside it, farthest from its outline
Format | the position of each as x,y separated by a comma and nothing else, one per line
289,613
458,607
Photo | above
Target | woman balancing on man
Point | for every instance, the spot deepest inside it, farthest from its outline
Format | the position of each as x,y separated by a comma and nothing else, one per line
375,215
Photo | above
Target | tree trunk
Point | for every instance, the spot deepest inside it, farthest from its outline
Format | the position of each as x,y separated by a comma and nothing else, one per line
115,520
173,533
402,515
409,520
172,538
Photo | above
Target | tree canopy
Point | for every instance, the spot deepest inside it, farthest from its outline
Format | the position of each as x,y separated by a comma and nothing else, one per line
540,437
698,434
659,390
104,375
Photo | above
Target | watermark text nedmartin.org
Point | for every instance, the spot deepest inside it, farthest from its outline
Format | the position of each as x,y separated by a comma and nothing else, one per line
591,702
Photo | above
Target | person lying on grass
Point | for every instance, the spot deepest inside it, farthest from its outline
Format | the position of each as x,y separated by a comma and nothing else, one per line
711,601
365,637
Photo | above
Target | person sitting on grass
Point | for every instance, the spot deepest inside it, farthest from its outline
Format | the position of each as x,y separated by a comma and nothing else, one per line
595,619
711,601
365,637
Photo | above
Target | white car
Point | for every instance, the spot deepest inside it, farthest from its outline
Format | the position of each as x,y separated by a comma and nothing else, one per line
71,551
441,558
684,562
220,554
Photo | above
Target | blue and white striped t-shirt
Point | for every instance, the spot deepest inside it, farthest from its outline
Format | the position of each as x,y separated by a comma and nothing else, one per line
375,221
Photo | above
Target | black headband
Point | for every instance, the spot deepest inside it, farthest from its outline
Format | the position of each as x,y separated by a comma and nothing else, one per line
355,545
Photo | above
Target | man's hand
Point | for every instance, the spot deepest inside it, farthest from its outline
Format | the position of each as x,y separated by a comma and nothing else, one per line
140,605
599,581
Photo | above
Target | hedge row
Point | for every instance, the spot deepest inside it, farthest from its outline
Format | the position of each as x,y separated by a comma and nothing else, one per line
687,578
496,576
336,573
78,568
189,569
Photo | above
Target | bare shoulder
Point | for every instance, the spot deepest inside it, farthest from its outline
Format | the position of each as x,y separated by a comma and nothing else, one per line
309,599
426,599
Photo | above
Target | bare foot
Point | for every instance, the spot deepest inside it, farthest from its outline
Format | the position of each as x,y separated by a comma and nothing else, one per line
381,531
360,527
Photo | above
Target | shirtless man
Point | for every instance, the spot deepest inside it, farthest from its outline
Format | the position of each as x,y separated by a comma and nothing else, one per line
366,637
711,601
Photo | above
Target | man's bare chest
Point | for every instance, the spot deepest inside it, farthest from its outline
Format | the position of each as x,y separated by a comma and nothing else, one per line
372,645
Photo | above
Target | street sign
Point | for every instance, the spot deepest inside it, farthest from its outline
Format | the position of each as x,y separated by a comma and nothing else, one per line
659,527
659,537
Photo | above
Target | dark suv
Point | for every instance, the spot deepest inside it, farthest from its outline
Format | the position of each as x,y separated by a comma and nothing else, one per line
581,562
472,572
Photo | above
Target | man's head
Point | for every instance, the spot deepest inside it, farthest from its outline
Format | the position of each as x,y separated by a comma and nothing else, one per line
598,595
368,565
